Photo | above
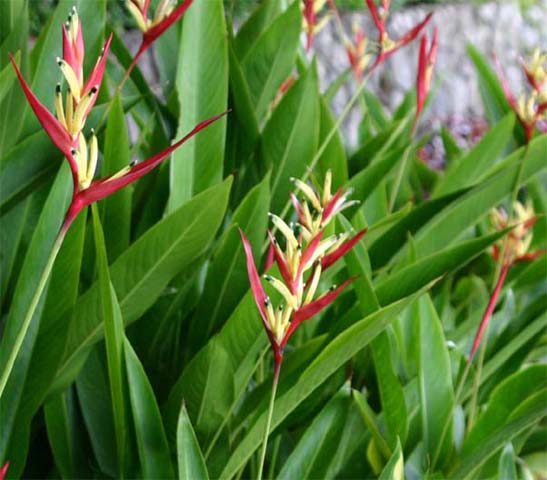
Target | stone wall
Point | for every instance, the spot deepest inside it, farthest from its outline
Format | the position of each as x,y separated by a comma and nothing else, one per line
500,27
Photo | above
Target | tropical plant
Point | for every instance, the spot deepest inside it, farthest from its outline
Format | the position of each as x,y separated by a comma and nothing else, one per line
138,338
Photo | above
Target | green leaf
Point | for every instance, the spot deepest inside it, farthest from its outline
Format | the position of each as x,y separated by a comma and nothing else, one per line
268,63
290,137
7,76
414,276
227,280
334,355
471,169
151,441
190,459
114,337
64,278
141,273
450,225
96,407
35,261
116,209
394,469
529,413
384,247
64,434
207,388
507,397
202,87
334,155
370,420
255,25
507,465
311,456
435,381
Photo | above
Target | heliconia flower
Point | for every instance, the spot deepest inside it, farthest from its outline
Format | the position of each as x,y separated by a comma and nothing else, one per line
536,70
426,63
165,15
71,113
4,470
356,51
531,108
310,24
386,45
93,191
517,244
306,250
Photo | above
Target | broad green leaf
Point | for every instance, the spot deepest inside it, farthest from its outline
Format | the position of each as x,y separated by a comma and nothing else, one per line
207,388
384,247
202,87
227,280
96,407
268,63
151,441
35,261
312,454
65,279
414,276
507,464
243,132
471,169
141,273
7,76
114,337
394,469
116,209
334,355
290,137
12,225
65,435
455,220
391,391
507,396
190,460
527,414
435,381
255,25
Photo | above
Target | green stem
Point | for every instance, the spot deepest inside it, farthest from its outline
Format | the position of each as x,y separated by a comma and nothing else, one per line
277,369
398,180
31,310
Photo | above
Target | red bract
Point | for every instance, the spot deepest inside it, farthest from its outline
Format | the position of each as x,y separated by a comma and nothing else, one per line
529,110
426,63
104,187
65,130
386,45
305,251
309,19
4,470
152,29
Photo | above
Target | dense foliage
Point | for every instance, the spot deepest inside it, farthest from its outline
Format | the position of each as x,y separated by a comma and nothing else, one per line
143,353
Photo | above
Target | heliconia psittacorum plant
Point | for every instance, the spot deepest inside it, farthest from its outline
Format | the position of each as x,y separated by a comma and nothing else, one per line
509,251
307,254
66,130
532,107
164,17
